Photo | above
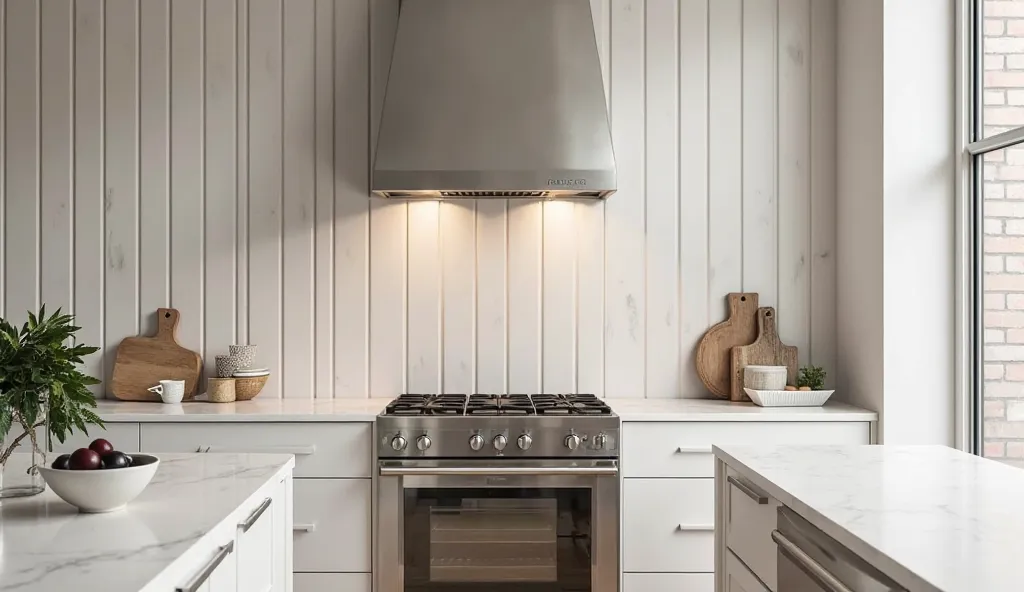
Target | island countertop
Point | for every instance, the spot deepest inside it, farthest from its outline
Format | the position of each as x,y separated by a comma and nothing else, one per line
46,545
932,518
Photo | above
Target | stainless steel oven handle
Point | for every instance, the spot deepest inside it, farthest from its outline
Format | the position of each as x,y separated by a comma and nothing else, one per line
497,471
808,565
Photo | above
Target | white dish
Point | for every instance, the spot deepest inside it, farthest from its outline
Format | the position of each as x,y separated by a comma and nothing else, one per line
788,398
250,374
102,490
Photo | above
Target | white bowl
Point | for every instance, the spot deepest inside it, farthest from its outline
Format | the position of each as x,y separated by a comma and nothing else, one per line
788,398
102,490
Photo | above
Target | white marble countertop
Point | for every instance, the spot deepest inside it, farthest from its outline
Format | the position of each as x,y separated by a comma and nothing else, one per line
299,410
46,545
719,410
366,410
930,517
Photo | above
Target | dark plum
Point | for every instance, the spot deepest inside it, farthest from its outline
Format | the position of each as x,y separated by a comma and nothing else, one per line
84,459
62,462
101,446
116,460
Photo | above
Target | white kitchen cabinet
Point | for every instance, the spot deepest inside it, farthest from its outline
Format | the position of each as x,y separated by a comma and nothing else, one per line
321,449
740,579
668,525
255,549
333,582
683,449
332,525
124,437
750,518
668,582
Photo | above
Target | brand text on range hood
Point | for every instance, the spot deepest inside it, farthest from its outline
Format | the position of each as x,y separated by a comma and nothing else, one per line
494,98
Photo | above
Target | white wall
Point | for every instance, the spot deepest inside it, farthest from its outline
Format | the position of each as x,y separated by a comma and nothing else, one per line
215,158
896,201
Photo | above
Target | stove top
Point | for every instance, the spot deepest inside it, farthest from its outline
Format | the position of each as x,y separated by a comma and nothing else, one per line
488,404
517,426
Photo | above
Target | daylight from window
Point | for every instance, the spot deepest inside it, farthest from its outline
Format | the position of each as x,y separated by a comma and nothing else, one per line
1002,209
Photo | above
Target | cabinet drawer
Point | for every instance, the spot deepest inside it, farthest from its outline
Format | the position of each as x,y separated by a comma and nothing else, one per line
254,546
124,437
332,525
750,518
668,582
332,582
683,449
320,449
668,525
740,579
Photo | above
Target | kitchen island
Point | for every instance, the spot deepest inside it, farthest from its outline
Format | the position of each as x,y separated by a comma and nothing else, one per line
928,518
200,509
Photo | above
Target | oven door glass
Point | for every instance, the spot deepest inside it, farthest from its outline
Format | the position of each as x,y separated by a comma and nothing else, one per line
498,539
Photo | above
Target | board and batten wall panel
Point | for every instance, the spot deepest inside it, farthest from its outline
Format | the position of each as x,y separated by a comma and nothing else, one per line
215,157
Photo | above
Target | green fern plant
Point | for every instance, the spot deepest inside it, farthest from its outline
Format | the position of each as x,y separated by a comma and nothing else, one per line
38,367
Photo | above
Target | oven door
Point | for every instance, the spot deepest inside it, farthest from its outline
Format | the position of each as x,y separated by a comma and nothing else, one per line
522,526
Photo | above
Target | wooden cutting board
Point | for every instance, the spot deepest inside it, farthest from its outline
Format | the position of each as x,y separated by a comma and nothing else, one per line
713,362
768,350
143,362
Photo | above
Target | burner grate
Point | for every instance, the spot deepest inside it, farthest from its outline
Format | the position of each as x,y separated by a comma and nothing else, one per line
414,404
481,404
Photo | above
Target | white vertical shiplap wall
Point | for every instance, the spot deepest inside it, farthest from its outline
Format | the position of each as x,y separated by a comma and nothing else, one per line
214,157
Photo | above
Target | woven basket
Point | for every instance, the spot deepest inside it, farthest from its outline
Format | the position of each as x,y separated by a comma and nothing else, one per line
247,388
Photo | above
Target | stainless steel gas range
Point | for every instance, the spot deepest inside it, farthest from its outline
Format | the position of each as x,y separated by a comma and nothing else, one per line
505,493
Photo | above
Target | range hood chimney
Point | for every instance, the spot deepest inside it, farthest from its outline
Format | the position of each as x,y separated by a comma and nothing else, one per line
494,98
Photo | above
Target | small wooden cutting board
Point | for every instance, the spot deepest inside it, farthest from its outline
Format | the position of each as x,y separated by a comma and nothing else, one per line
143,362
768,350
713,361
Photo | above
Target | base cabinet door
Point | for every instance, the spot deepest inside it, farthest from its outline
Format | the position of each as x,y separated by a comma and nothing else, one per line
333,582
217,572
668,582
740,579
255,549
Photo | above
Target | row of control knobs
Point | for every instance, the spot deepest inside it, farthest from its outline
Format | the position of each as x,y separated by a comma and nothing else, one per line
476,442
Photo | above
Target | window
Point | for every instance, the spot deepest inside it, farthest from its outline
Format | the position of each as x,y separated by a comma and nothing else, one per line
997,203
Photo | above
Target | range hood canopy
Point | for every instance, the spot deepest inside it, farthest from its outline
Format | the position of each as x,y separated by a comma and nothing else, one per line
494,98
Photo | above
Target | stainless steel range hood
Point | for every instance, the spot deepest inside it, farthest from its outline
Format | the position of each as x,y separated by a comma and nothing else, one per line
494,98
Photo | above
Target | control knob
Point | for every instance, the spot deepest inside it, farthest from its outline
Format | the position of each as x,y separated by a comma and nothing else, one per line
499,442
525,441
599,441
398,443
572,441
476,441
422,443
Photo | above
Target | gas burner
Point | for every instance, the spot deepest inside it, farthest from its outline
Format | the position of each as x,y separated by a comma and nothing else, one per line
480,404
412,404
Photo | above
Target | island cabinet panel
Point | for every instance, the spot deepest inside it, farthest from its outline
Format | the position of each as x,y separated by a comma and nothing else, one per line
322,450
667,582
750,518
338,582
740,579
255,548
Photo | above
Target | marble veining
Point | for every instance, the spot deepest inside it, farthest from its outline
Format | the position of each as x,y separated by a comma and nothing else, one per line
366,410
719,410
45,544
256,410
932,518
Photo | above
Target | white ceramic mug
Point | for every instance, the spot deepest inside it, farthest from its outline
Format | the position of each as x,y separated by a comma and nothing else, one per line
170,391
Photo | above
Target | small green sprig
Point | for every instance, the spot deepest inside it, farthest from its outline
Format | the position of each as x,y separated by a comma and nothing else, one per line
813,377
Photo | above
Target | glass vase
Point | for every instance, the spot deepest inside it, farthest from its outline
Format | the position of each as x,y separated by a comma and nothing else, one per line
19,472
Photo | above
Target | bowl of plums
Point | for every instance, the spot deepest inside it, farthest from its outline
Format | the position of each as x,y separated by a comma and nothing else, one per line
99,478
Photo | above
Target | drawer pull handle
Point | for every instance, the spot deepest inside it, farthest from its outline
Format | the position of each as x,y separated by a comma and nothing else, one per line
749,490
200,578
247,524
693,450
304,527
694,527
808,565
296,450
